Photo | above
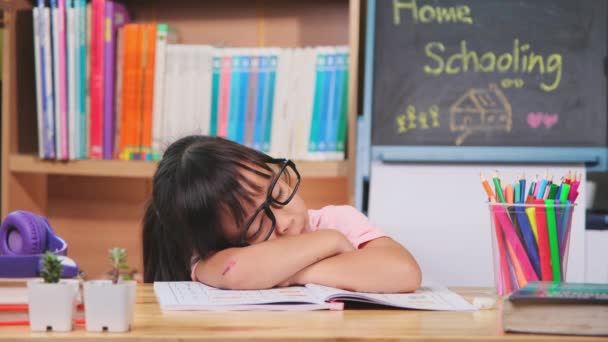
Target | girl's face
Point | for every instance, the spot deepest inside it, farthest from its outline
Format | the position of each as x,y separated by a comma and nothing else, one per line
290,219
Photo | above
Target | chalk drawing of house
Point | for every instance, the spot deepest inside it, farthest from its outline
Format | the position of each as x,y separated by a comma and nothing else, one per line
480,110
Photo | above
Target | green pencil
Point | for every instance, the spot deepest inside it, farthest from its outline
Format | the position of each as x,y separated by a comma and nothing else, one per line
553,244
498,188
517,198
563,195
552,191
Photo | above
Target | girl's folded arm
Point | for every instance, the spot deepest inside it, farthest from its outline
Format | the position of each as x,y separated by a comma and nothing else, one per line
382,265
267,264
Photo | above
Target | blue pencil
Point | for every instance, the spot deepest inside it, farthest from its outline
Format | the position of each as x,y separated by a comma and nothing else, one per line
528,237
563,234
541,189
522,187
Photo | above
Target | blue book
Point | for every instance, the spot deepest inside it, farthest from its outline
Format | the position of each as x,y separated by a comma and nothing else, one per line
243,94
336,101
215,94
235,87
324,105
596,220
43,62
48,78
269,106
317,104
343,112
82,75
258,130
55,69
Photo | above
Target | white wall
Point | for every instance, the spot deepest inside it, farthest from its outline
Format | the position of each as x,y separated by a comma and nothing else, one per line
596,256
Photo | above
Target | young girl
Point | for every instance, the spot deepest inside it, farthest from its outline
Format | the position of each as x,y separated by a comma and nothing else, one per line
230,217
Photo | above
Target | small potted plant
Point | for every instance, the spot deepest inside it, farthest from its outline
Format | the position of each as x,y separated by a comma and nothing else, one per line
108,304
51,300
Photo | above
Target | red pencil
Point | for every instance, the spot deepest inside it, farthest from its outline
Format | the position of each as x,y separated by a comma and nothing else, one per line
543,241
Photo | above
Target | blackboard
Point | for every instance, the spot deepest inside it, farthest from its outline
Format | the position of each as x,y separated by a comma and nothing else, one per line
490,73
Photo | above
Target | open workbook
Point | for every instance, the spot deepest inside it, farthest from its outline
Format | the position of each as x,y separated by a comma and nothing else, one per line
176,296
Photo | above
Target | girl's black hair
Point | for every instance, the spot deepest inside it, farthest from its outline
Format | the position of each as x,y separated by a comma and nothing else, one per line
198,178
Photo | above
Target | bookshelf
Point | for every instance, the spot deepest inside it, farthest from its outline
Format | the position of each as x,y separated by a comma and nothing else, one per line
97,204
142,169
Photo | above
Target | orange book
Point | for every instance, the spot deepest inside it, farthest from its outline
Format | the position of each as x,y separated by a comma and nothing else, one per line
148,60
130,90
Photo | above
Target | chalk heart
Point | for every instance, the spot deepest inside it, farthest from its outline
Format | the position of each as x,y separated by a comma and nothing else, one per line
535,119
549,120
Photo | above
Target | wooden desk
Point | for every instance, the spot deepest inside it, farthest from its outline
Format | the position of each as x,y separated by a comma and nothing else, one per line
410,325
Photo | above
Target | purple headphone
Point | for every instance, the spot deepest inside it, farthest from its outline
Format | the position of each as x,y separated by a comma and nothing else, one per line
24,237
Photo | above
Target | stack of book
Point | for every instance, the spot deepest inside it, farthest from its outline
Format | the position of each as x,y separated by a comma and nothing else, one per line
557,308
108,88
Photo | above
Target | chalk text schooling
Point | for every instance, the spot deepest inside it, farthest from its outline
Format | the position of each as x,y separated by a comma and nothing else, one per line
520,60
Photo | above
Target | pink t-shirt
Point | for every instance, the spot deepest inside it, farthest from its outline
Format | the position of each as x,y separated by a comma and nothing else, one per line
353,224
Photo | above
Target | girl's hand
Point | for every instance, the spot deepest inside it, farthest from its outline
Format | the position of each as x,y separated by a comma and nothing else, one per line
343,245
291,281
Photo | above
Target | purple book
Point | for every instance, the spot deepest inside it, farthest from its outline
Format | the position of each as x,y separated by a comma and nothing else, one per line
116,15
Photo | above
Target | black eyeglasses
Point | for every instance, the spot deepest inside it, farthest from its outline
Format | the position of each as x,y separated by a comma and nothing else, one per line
284,195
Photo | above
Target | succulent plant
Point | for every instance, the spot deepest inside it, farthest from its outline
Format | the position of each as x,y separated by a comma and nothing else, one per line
118,258
51,268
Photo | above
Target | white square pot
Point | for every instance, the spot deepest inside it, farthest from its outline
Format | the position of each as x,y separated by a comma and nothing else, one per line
51,306
107,306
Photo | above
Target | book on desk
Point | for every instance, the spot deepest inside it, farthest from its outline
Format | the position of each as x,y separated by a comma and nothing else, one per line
557,308
194,296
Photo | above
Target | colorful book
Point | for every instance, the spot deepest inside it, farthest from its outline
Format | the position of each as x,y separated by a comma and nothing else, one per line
243,97
215,92
235,96
116,15
557,308
46,69
269,101
120,65
224,97
82,131
164,36
96,87
56,79
259,121
318,104
147,87
330,134
71,70
40,84
343,72
131,85
87,123
252,94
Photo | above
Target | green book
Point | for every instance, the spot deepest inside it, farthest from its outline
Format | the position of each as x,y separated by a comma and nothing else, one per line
557,308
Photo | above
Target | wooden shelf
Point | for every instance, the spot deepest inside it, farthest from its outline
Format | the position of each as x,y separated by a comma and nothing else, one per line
142,169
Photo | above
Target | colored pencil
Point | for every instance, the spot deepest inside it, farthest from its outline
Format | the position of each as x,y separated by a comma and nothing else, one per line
543,241
513,240
498,188
553,244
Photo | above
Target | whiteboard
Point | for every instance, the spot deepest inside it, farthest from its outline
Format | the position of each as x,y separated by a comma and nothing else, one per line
439,213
